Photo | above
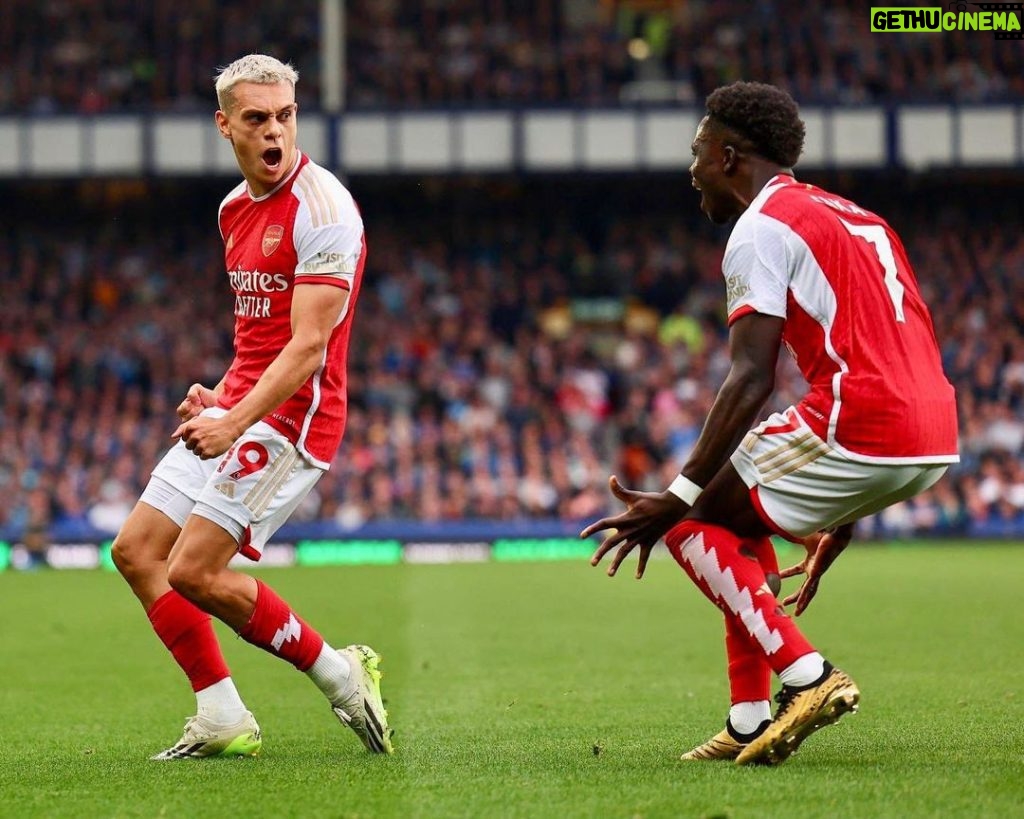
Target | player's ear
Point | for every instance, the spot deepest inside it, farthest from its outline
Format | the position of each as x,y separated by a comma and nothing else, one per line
222,124
730,159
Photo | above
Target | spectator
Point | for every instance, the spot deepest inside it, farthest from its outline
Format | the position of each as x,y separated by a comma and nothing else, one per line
466,401
104,56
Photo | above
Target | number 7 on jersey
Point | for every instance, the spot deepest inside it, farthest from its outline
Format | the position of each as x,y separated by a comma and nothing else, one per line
875,236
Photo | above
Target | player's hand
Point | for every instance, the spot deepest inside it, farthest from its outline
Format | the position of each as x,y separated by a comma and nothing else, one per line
647,517
207,437
197,399
822,550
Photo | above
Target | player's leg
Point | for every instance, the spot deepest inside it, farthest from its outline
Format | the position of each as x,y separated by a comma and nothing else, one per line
140,552
253,491
749,674
222,724
711,555
749,671
824,491
796,485
813,693
349,678
750,698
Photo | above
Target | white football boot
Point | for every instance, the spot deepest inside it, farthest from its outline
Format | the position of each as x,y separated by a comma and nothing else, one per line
203,738
360,706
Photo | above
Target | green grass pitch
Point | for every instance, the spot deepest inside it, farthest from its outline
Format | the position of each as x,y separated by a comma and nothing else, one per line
527,690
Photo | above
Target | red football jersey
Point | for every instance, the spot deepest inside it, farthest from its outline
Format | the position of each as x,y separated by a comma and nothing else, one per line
854,320
307,230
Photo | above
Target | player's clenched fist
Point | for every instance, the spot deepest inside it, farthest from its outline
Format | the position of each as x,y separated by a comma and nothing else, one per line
207,437
197,399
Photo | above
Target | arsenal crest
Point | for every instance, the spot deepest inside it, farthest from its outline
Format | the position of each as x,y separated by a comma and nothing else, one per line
272,238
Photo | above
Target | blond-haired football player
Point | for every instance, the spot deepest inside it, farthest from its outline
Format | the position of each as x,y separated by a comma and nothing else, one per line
250,448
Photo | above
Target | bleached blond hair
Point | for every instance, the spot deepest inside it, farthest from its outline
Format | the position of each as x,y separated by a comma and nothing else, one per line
261,69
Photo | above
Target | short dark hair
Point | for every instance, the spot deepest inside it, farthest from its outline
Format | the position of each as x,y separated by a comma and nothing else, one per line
762,114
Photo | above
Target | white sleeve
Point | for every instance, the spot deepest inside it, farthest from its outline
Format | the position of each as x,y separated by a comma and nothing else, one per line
756,267
328,231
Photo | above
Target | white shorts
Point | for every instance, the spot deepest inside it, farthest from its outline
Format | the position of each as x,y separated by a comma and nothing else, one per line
800,485
249,491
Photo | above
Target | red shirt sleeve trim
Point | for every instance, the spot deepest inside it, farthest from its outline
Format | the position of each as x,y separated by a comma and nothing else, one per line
740,312
342,283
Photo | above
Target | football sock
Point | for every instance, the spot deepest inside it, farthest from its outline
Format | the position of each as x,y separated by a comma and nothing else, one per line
746,718
330,673
736,584
188,634
220,703
275,628
750,675
805,671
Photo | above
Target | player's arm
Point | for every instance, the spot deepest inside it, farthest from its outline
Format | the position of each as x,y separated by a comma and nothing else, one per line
754,342
314,315
315,312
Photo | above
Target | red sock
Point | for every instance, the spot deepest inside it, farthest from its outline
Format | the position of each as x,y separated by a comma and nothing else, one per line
750,675
734,583
274,627
188,635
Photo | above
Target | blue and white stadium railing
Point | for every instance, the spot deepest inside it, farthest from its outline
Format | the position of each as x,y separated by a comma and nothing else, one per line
654,138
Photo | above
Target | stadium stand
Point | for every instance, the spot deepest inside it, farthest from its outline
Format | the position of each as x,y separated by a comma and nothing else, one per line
103,56
96,56
493,375
496,52
496,363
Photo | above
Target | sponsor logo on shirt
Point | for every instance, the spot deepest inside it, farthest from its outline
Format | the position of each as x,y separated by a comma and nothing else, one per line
245,283
283,419
735,289
327,263
252,281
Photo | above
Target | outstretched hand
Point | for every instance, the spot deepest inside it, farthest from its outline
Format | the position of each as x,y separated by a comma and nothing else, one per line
648,516
822,550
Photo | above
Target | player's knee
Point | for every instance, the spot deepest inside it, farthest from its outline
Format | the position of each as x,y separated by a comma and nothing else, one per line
128,556
679,533
189,580
120,554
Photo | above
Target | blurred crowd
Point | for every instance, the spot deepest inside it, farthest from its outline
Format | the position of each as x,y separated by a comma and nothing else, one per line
501,368
606,52
108,56
94,56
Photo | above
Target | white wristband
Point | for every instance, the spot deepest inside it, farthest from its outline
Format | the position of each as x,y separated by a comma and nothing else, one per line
685,489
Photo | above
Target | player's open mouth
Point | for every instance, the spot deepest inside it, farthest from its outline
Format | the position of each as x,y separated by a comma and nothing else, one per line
272,158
